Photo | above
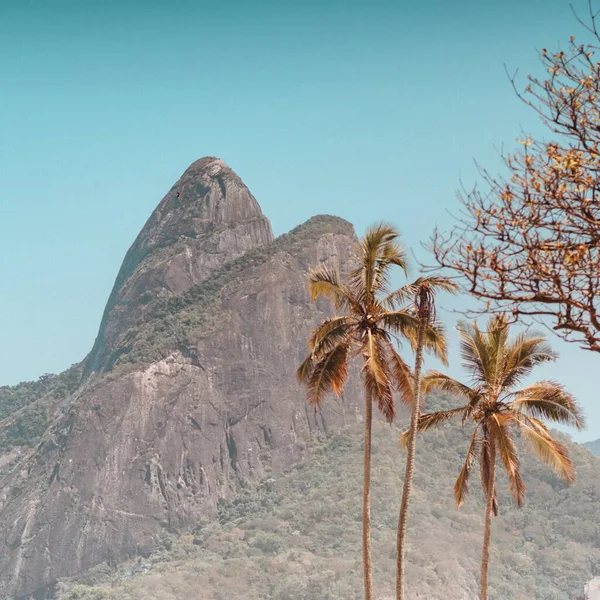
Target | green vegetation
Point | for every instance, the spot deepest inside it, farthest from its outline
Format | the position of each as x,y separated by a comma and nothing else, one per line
58,387
24,407
296,536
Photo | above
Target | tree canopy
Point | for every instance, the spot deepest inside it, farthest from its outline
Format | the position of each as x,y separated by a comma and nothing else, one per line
529,241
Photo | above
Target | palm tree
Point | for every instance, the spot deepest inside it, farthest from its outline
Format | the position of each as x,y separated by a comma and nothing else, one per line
497,410
425,289
373,319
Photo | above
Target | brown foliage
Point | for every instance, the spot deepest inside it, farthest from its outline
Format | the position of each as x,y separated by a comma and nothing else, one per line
529,242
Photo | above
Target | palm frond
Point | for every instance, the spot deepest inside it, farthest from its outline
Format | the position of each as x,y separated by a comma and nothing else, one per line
547,449
496,341
306,368
407,294
403,323
549,400
329,374
435,380
497,426
424,302
474,352
375,255
437,284
402,298
391,254
476,397
330,332
525,352
427,421
461,487
430,420
436,342
402,375
324,280
428,287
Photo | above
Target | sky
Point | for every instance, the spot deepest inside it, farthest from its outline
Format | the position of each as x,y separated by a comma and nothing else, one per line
367,110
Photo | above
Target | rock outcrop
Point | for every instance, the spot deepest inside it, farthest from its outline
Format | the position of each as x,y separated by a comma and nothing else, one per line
189,393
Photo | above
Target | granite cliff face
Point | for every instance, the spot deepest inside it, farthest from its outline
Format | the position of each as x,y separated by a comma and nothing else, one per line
189,392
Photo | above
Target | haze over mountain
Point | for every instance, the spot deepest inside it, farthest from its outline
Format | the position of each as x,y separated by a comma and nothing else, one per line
593,447
187,406
188,393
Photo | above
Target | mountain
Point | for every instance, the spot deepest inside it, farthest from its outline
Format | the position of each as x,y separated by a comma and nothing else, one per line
593,447
188,394
179,459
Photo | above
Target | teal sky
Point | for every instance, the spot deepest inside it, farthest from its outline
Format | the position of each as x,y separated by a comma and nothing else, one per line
368,110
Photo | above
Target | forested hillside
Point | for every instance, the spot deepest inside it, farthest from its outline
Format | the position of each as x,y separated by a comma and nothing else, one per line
297,536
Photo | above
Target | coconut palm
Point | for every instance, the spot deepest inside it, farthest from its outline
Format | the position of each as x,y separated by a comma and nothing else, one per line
497,366
425,289
373,319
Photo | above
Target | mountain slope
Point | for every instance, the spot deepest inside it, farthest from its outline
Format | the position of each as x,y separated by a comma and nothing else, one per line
208,218
593,447
296,536
189,393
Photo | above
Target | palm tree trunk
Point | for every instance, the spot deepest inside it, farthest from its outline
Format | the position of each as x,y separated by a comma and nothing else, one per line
366,515
410,456
489,507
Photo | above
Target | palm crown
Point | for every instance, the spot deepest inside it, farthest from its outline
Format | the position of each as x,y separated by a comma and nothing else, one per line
497,366
374,317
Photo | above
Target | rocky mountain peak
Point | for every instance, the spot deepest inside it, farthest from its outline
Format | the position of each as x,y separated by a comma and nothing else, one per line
207,167
209,194
208,218
189,393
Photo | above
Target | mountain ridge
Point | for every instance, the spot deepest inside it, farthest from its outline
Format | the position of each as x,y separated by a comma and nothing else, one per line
188,394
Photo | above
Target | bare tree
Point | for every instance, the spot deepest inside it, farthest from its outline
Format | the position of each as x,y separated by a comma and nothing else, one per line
529,242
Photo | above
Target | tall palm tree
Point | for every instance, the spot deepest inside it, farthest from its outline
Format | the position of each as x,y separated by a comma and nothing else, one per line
425,289
497,411
373,319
